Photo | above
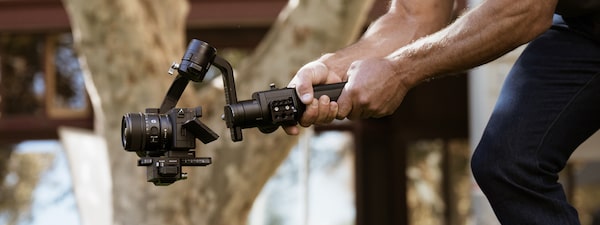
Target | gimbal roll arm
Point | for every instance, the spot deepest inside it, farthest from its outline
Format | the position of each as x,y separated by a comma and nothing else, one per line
230,92
194,65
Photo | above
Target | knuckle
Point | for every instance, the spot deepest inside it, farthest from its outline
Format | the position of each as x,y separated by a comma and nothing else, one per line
306,122
364,102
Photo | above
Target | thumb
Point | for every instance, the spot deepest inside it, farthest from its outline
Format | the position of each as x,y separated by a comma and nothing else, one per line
310,74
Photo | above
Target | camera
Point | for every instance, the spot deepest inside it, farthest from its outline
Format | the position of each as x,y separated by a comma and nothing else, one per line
151,133
164,142
165,138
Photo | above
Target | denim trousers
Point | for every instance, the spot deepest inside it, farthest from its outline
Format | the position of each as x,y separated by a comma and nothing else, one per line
549,104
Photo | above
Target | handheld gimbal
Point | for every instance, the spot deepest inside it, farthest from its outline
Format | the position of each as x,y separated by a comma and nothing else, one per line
164,138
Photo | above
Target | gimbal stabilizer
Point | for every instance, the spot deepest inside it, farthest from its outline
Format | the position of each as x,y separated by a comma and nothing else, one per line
164,138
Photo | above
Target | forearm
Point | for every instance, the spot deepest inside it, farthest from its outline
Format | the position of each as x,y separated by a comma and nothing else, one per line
482,35
406,21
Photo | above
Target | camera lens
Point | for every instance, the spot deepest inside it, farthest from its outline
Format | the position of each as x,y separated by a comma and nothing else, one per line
128,129
145,132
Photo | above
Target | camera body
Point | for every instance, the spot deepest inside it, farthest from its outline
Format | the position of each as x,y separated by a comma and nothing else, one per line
151,133
165,138
164,142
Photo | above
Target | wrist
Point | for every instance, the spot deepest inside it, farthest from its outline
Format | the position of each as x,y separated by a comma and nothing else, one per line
404,69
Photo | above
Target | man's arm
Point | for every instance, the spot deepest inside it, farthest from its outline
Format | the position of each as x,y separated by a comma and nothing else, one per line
405,21
483,34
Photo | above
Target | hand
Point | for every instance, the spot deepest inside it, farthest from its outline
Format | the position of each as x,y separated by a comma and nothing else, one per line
373,90
318,111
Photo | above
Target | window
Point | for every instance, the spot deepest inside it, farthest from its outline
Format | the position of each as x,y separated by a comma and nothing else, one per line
40,80
314,185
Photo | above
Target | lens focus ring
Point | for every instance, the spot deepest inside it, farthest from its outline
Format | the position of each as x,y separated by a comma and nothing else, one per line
132,131
146,132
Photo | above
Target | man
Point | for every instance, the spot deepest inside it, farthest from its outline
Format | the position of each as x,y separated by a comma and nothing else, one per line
550,102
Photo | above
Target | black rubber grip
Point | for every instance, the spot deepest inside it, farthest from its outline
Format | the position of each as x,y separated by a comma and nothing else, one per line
331,90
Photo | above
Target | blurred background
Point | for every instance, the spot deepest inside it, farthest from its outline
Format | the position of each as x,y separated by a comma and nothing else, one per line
70,69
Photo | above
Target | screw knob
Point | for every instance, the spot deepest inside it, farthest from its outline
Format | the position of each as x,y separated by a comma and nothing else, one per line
173,68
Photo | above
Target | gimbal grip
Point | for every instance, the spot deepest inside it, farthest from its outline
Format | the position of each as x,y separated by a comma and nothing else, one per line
267,110
331,90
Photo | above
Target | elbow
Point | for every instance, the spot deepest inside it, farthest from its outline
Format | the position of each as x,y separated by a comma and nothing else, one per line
429,12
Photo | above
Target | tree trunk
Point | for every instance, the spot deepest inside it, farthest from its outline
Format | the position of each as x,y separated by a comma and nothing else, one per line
126,48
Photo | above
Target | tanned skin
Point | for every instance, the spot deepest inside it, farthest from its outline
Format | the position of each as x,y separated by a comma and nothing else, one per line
409,44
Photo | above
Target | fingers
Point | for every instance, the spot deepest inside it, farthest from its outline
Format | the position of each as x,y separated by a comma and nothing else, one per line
291,130
318,111
327,110
344,102
312,73
353,99
321,111
333,110
310,114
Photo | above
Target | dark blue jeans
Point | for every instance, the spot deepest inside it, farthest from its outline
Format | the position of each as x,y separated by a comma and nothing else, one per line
549,105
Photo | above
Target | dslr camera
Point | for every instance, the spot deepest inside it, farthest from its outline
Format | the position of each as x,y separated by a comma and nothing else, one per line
165,138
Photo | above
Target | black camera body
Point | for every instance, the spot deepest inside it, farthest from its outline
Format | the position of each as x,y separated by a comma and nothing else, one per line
165,142
165,138
151,133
